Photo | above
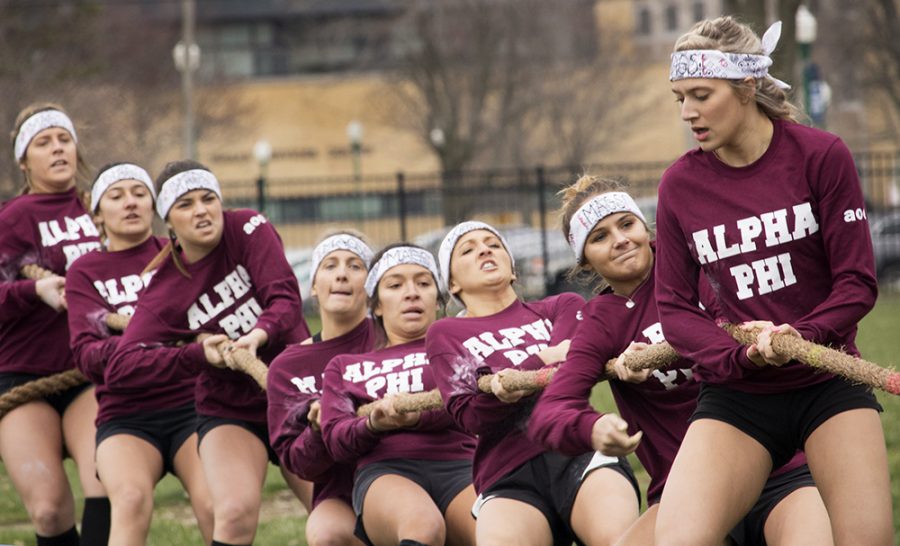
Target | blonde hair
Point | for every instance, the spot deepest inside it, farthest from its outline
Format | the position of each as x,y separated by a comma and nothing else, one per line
82,169
731,36
572,197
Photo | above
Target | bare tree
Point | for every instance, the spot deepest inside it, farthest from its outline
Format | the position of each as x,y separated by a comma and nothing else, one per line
492,82
110,66
882,38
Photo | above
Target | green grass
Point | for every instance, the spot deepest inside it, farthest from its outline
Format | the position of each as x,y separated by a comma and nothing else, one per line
282,518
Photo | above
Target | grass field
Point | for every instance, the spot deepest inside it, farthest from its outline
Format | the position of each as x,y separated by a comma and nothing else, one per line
282,518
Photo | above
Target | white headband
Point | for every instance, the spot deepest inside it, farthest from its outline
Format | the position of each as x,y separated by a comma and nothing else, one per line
712,63
596,209
117,173
37,123
341,241
180,184
449,243
398,256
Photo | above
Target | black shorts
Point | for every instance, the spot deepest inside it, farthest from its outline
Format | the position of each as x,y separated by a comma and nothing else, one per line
442,480
167,430
751,530
549,482
59,401
782,422
206,423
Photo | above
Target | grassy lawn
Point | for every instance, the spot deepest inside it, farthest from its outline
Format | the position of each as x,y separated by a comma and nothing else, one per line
282,518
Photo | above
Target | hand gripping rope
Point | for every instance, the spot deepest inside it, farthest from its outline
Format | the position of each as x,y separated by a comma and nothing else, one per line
239,360
824,359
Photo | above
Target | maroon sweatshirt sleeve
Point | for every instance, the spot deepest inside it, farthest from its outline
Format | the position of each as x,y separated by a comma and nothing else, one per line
92,344
304,452
688,328
848,245
457,378
564,418
346,435
299,448
276,284
17,296
142,358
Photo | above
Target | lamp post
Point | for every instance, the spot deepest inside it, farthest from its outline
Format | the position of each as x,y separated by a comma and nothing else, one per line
806,25
355,135
186,55
262,151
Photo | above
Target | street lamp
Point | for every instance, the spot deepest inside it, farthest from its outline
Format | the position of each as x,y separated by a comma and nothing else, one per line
805,34
186,55
355,135
262,151
437,137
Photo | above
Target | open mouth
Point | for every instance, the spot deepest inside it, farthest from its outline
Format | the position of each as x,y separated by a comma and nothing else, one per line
59,163
488,265
203,224
132,216
700,133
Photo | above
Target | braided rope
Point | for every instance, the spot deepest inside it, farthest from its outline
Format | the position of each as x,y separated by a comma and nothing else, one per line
39,388
659,355
243,360
825,359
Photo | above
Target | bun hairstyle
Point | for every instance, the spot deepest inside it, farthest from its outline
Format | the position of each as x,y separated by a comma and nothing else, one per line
731,36
82,169
171,169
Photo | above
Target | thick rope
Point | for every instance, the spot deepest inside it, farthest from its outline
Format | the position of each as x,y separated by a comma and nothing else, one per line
243,360
825,359
653,357
39,388
659,355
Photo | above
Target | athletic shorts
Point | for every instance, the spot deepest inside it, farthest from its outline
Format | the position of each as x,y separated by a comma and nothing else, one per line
782,422
206,423
549,482
167,430
442,480
59,401
751,530
337,484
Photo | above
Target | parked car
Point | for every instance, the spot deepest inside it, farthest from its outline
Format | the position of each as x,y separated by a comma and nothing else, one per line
533,280
886,242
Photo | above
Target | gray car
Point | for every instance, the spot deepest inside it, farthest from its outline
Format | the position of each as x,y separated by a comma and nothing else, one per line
886,243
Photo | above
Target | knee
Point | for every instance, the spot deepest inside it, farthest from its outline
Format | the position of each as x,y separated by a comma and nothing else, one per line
132,502
50,519
236,513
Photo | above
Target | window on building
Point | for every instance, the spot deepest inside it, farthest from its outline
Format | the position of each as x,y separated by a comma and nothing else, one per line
671,17
645,26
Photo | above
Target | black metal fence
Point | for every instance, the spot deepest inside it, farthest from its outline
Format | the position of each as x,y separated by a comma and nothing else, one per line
417,207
